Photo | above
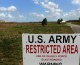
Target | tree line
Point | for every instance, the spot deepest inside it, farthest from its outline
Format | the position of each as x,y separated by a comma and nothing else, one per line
44,22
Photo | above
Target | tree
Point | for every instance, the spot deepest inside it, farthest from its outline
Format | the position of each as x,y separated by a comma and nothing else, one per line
59,21
44,22
79,18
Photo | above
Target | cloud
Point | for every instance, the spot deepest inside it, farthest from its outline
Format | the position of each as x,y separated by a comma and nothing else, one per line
3,9
53,9
46,11
49,5
46,0
9,16
10,9
38,1
20,16
2,15
76,2
12,17
73,14
37,15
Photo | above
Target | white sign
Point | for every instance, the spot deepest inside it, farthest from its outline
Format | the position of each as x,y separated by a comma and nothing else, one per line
46,49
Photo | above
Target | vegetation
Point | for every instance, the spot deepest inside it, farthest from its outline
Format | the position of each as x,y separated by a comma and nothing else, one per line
77,22
44,22
59,21
79,18
11,38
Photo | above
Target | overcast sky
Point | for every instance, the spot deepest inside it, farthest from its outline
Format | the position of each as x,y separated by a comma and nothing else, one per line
36,10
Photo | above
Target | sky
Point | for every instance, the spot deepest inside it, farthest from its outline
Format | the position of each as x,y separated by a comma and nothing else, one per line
37,10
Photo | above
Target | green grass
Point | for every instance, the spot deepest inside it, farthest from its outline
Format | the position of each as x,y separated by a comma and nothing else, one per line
10,51
11,40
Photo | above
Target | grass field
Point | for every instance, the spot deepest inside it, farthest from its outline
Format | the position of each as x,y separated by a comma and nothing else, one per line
77,22
11,40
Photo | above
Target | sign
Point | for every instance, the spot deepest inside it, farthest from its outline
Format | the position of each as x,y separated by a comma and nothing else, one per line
46,49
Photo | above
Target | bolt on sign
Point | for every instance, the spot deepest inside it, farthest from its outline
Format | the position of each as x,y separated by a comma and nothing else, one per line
51,49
